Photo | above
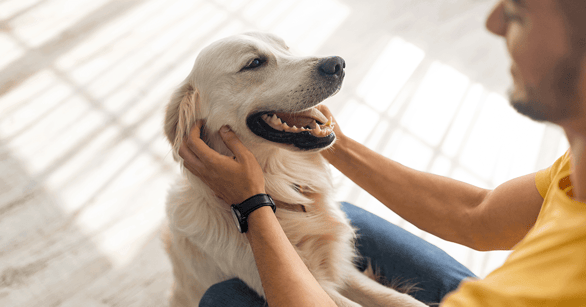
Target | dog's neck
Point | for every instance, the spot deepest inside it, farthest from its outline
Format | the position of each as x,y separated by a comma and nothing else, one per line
292,178
294,207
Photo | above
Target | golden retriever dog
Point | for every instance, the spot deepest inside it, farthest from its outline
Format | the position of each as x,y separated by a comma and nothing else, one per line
267,95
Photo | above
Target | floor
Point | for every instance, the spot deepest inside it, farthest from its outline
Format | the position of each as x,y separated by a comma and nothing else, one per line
84,166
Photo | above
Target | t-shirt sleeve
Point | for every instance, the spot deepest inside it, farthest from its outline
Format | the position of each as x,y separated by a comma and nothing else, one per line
544,177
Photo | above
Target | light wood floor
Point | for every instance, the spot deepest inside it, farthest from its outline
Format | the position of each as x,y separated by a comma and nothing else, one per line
84,166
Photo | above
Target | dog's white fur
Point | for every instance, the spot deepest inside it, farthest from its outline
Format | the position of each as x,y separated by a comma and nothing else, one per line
202,241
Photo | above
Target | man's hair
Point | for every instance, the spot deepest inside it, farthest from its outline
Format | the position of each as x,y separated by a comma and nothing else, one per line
574,12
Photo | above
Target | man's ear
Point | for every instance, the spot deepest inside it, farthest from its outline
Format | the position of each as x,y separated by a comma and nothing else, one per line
182,112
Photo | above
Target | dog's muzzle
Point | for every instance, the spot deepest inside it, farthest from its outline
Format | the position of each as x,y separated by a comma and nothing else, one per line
306,129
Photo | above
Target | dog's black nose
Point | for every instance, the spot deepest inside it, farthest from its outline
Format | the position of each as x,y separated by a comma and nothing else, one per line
331,66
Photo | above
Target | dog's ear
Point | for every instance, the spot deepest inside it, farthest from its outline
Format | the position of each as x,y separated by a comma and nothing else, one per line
182,112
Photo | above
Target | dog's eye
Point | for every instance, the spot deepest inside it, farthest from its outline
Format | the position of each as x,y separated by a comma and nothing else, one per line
254,64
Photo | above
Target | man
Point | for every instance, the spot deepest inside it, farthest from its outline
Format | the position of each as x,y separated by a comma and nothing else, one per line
541,216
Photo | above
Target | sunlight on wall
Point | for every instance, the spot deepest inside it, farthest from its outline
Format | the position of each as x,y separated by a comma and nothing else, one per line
9,51
462,120
41,24
75,153
11,8
361,118
502,144
563,146
305,25
434,104
389,73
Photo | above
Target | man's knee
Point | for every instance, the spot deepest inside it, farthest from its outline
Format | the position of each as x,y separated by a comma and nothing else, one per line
214,294
232,292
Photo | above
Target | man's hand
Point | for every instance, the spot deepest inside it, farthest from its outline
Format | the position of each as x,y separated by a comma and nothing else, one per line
232,179
328,153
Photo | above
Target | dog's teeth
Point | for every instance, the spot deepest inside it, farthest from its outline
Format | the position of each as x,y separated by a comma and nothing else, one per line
292,129
275,120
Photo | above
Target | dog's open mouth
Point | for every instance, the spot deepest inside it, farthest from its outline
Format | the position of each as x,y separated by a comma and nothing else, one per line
306,130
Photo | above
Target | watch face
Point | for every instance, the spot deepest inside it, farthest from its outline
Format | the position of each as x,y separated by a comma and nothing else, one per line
236,217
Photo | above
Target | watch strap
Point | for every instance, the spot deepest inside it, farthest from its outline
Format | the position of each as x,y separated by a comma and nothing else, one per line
245,208
254,202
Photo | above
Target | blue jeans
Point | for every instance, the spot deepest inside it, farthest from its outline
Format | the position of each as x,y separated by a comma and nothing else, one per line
395,253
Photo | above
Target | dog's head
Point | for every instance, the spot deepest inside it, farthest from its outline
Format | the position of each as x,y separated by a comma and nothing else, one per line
267,95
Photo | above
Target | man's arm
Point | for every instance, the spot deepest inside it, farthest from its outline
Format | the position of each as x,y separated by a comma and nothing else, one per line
285,278
453,210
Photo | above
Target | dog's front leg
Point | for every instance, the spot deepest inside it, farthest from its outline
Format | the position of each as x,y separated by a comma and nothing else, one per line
370,293
339,299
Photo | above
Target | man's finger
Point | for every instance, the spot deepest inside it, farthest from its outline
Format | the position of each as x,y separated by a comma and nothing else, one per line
205,154
196,130
190,158
200,123
325,111
233,143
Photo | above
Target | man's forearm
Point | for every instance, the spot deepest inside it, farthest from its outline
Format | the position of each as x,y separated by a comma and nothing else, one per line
436,204
285,278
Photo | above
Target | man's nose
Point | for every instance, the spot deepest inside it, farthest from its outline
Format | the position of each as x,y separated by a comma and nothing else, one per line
495,22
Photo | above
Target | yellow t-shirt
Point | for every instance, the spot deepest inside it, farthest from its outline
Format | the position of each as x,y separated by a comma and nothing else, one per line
548,267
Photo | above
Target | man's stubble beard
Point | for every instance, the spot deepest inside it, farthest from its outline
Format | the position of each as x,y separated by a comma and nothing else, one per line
557,98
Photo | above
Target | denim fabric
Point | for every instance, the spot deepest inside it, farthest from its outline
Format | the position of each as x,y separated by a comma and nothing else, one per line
393,252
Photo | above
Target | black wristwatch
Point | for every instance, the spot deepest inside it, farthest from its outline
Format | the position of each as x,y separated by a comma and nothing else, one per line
241,212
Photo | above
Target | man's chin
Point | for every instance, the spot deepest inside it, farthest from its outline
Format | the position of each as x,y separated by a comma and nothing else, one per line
539,111
530,109
556,99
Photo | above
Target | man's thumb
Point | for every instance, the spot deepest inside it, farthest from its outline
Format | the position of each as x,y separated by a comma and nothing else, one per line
225,129
232,141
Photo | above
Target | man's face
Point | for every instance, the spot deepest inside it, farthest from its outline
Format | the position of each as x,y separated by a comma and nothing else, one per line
545,70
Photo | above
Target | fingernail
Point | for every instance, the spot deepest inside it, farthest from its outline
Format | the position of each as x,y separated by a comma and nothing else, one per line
225,129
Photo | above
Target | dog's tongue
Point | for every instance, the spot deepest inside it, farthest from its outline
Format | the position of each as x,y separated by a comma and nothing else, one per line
304,118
